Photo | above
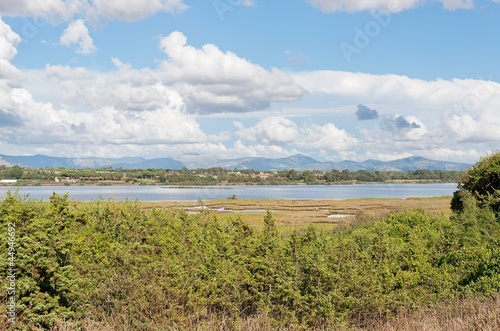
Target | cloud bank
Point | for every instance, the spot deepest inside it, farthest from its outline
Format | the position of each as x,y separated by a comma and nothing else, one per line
74,111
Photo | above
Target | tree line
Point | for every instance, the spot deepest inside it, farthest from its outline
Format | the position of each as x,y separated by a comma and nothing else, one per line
218,175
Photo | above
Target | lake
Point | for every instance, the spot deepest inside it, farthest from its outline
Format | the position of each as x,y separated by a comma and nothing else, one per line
194,193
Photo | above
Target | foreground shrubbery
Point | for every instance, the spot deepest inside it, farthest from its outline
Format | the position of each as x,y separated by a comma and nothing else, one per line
115,265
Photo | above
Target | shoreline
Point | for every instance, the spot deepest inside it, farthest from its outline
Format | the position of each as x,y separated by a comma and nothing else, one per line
187,185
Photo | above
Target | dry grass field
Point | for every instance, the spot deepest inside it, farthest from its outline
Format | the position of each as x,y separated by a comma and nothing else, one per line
299,213
472,314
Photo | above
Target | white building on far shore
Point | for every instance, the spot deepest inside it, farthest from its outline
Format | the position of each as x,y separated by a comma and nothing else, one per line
8,180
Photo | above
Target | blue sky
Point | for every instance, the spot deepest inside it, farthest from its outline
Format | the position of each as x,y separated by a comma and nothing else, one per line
333,79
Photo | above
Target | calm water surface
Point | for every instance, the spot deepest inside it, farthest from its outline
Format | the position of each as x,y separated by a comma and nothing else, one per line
285,192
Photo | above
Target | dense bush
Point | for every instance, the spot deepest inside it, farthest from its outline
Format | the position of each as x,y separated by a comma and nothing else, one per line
45,278
135,269
482,183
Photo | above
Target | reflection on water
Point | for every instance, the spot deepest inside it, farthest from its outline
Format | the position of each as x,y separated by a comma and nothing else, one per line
195,193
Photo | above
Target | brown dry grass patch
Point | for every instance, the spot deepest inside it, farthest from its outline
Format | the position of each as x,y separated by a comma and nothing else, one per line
459,315
292,214
471,314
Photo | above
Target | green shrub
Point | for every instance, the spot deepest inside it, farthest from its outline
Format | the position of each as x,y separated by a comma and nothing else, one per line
482,181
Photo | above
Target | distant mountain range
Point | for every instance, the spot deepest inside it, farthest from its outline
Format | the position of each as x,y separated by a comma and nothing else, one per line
302,162
192,161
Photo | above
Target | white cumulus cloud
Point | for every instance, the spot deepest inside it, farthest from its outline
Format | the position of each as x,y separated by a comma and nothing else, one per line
8,50
279,130
470,128
212,80
56,11
134,10
77,33
46,11
45,124
271,130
